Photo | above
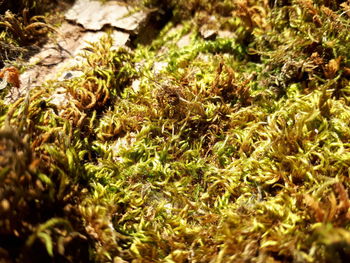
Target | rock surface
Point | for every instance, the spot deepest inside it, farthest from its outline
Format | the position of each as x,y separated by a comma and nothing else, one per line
90,18
94,15
60,54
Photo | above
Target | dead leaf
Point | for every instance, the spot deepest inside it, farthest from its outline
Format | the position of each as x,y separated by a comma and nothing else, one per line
11,76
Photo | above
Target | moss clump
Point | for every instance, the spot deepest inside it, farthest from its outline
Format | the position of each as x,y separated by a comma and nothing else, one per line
223,150
23,27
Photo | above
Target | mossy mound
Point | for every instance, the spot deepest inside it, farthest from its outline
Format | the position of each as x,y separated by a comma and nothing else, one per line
224,149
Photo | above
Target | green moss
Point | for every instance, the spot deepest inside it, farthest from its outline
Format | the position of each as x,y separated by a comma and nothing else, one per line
237,149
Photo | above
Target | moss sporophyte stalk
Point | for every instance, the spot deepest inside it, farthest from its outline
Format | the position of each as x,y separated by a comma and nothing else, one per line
231,146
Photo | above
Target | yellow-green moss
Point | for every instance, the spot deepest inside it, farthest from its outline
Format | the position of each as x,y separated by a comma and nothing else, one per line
236,150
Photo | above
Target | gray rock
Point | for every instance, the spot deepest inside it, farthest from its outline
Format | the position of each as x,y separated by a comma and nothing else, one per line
208,33
94,15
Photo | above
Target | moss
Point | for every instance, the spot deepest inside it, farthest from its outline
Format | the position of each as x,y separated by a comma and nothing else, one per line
235,150
24,27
